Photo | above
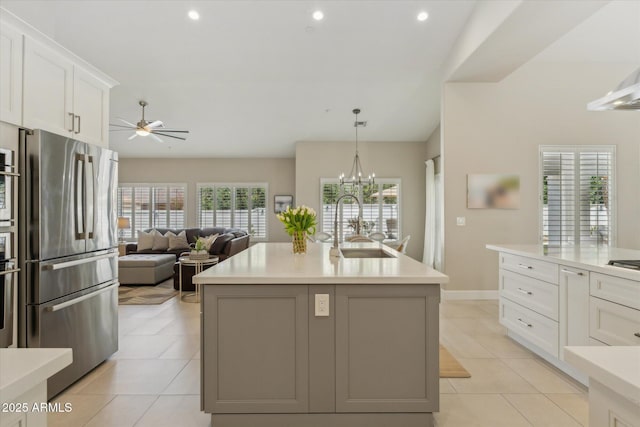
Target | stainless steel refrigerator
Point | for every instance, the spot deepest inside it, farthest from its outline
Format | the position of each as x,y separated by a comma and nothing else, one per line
68,293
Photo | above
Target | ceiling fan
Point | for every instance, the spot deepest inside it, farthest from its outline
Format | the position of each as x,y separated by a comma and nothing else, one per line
148,128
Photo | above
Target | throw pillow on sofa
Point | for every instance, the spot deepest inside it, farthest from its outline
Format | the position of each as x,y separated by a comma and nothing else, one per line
177,241
145,240
208,241
160,242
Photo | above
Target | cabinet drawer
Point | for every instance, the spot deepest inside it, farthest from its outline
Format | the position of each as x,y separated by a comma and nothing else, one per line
540,330
542,270
615,289
613,324
539,296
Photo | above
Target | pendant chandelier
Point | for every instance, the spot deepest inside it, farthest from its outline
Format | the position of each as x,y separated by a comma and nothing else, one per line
355,177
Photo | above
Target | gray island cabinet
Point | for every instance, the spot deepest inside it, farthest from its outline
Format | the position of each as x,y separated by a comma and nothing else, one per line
274,354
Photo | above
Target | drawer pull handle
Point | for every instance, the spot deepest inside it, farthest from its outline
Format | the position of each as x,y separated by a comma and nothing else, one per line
575,273
528,267
524,291
637,334
528,325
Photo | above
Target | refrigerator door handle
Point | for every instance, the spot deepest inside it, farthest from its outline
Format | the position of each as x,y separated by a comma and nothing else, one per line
90,184
57,307
79,196
67,264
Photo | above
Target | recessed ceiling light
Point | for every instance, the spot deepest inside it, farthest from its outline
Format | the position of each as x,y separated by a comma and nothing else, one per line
193,14
422,16
318,15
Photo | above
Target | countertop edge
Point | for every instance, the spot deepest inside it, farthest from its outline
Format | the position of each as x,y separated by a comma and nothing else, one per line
51,361
578,357
603,269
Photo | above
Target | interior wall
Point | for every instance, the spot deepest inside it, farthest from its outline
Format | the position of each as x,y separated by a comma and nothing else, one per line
404,160
279,173
497,128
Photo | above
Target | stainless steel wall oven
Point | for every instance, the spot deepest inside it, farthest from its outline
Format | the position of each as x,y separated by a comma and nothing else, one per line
8,265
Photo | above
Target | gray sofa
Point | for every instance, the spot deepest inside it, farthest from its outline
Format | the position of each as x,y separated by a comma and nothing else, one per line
230,241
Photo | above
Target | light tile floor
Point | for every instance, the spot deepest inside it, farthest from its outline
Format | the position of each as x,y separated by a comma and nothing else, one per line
154,379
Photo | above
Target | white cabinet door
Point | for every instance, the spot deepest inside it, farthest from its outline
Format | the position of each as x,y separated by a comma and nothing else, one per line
10,75
613,324
91,108
573,307
48,89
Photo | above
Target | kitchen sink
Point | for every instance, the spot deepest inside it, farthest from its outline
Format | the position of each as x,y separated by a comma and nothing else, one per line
365,253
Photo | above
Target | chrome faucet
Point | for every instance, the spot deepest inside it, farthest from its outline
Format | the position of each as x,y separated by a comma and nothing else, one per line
335,250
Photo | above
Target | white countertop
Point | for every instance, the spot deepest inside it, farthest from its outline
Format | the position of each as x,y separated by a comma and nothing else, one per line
21,369
275,263
617,367
593,258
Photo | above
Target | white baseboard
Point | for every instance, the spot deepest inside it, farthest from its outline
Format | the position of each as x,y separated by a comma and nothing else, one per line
454,295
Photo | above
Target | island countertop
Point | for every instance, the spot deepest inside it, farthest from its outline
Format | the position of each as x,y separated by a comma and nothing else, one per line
275,263
592,258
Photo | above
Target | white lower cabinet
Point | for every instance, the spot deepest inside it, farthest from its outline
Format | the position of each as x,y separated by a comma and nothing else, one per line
607,408
546,306
614,324
539,330
537,295
573,308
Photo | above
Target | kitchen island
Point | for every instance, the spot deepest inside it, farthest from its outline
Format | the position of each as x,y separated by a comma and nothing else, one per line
309,340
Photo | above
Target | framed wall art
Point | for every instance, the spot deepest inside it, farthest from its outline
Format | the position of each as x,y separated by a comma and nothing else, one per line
280,203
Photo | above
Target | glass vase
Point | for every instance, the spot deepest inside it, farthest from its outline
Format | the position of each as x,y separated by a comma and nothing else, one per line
299,242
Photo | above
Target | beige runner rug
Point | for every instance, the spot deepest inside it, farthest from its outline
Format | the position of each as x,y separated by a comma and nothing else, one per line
450,367
145,294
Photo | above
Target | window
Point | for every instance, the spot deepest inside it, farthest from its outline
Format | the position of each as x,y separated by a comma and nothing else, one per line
380,208
578,194
241,206
151,205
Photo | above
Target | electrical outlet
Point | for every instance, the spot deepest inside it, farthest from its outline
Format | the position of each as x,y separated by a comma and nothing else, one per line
322,305
461,221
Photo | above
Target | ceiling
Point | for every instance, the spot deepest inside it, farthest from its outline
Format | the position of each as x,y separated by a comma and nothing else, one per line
251,78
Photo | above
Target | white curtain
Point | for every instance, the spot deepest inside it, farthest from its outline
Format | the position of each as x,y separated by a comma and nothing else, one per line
428,256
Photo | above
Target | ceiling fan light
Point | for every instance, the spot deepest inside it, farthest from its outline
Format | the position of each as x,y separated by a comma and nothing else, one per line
142,132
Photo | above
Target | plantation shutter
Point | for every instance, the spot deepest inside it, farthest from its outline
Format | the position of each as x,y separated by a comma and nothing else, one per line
379,202
577,194
258,211
125,209
223,207
204,206
596,172
233,206
175,213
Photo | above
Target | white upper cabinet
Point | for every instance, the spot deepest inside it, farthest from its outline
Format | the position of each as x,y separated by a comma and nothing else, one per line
48,89
10,75
91,108
45,86
62,97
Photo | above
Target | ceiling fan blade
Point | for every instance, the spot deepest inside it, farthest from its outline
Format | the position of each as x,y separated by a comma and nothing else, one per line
133,136
128,123
155,138
170,136
155,124
121,126
128,129
173,130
